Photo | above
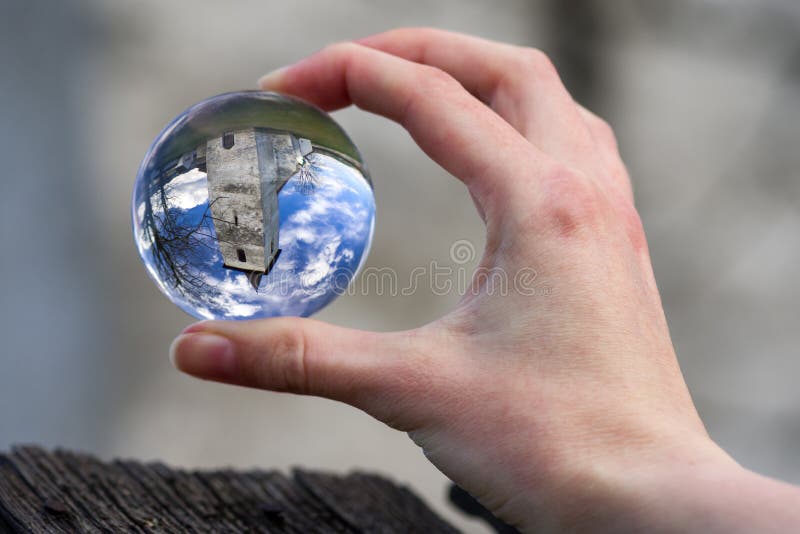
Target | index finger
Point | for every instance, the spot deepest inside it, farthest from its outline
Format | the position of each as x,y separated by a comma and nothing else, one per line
453,127
521,84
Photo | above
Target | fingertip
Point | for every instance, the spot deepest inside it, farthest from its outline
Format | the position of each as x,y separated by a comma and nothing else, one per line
200,326
204,355
172,349
272,80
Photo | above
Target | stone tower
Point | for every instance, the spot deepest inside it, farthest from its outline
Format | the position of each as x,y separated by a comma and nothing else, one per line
246,169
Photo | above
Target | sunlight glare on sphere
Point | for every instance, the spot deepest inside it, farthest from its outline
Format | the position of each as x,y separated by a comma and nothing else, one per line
252,204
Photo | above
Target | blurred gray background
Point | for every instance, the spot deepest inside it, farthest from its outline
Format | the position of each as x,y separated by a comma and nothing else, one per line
704,95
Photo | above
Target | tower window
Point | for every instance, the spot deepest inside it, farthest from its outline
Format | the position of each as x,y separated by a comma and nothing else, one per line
241,255
235,220
227,140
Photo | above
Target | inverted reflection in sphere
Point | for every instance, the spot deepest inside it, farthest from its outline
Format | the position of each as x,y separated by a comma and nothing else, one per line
252,204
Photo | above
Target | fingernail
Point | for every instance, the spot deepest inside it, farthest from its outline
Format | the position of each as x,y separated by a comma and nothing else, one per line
200,326
272,80
204,355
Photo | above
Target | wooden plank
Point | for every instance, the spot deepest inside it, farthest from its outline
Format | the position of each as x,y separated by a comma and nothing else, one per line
162,498
64,492
302,508
372,503
24,508
58,493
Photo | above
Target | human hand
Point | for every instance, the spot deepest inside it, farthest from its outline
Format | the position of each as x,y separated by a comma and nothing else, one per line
565,410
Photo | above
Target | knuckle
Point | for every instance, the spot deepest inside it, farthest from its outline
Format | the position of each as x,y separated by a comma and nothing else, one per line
605,131
632,226
435,79
606,128
343,51
289,357
339,47
279,361
574,207
571,205
423,32
537,63
521,67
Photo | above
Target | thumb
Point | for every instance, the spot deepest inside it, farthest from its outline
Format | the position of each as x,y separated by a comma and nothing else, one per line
294,355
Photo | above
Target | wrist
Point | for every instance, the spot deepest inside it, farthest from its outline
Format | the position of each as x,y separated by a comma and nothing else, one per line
662,489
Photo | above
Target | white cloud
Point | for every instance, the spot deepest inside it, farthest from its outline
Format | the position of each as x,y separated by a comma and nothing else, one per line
184,192
320,266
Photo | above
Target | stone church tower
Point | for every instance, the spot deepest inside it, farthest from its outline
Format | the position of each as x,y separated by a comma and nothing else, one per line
246,169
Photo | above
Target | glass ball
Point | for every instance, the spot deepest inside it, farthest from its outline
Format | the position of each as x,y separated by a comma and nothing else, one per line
253,204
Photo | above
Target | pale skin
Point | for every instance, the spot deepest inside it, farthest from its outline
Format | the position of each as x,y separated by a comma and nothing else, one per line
559,412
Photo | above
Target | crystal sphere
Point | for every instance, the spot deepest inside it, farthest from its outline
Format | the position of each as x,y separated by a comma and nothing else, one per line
252,204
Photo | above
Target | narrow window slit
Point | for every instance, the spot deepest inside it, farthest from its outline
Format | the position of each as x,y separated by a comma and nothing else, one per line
227,140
